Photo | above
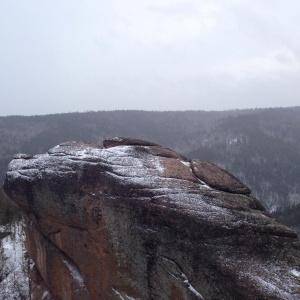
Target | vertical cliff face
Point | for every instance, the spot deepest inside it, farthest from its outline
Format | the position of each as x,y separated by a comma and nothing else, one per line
133,220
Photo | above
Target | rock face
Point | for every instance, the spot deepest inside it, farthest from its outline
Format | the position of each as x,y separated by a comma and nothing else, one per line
134,220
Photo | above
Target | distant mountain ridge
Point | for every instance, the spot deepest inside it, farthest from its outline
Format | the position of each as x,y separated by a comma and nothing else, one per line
259,146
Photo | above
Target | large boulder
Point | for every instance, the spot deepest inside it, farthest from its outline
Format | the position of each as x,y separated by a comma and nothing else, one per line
133,220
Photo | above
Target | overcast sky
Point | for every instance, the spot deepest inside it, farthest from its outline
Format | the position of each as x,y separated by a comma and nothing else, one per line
70,55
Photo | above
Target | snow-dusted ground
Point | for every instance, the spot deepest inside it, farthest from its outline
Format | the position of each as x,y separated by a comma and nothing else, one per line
14,283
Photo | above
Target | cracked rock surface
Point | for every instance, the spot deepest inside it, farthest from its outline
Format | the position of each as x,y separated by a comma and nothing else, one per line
133,220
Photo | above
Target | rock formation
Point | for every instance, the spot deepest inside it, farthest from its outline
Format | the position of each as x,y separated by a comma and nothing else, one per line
133,220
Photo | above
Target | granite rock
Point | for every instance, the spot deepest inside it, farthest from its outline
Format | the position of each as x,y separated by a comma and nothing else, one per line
134,220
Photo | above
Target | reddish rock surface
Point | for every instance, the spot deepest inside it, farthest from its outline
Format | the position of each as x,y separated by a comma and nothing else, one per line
134,220
218,178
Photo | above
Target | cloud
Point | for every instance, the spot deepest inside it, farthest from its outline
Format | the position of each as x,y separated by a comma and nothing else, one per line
160,54
168,23
274,64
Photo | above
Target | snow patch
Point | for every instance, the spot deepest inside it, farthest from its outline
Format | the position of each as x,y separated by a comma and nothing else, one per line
295,273
182,276
272,288
232,141
276,284
75,272
121,297
14,266
116,139
45,295
157,165
190,287
186,163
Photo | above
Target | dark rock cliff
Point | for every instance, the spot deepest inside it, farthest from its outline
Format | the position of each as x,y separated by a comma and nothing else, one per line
132,220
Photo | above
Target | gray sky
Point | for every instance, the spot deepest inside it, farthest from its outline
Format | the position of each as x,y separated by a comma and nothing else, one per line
70,55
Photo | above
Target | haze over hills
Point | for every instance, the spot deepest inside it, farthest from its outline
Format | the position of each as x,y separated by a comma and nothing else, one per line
259,146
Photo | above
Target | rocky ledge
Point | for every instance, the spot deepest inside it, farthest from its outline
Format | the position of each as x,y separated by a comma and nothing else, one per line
133,220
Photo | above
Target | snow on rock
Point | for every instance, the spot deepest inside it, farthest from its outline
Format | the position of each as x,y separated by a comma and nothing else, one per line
75,272
190,287
295,273
134,220
122,297
14,283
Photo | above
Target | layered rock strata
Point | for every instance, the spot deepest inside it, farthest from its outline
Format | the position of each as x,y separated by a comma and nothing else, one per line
133,220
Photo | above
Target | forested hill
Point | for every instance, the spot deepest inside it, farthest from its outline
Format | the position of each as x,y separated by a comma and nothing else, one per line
260,146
